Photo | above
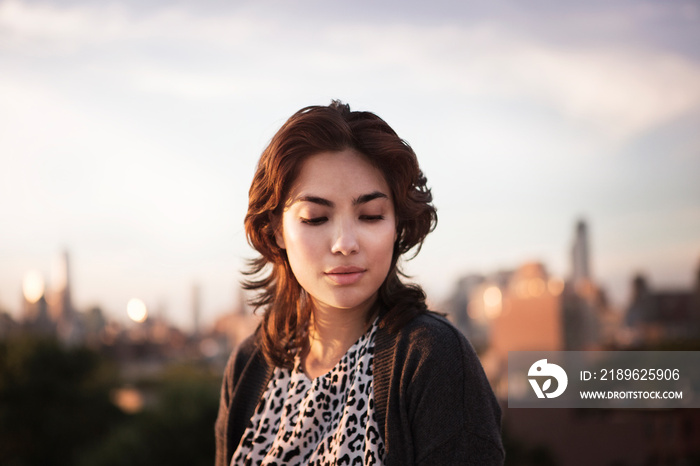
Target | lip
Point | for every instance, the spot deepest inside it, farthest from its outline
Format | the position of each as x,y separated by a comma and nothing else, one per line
345,275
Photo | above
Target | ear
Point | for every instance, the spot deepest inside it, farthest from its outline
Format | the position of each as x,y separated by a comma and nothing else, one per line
276,225
279,237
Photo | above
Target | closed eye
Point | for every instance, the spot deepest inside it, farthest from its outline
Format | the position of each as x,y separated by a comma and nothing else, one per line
314,221
371,218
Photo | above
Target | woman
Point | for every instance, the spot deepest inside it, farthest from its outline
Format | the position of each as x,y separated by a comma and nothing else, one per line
347,366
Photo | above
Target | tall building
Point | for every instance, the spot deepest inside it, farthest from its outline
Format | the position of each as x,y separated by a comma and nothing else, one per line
583,303
580,256
61,307
69,324
196,309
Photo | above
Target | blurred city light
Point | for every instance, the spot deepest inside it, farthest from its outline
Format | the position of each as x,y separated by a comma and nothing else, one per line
555,286
492,301
33,286
535,287
136,310
128,399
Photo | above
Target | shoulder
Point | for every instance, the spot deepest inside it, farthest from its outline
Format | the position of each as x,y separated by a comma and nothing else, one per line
244,378
445,390
240,358
429,372
246,349
430,325
432,335
429,349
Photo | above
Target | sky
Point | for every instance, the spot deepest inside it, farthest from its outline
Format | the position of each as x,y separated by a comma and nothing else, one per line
129,134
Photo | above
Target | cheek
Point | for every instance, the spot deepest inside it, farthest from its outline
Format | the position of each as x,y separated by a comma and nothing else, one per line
382,244
300,241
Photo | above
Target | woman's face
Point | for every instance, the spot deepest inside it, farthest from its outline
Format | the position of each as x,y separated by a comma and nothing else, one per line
339,228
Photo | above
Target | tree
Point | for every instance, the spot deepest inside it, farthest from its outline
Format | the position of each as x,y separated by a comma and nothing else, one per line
54,402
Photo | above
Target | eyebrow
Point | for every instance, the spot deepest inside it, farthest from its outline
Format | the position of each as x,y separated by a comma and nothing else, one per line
362,199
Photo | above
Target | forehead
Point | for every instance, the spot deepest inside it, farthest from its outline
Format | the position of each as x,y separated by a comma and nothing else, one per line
334,175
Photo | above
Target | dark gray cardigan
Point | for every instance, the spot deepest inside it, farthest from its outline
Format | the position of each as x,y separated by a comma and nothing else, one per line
431,395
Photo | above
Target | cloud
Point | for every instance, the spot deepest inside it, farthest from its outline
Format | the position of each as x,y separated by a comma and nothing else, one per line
46,28
618,90
184,84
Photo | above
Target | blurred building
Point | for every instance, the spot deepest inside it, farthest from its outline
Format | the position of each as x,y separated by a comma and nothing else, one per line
509,311
529,309
228,332
8,326
655,316
95,323
580,257
35,318
588,320
196,308
48,310
69,325
526,315
605,436
457,307
467,312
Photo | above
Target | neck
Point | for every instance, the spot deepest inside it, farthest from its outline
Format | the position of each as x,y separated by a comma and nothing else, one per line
331,333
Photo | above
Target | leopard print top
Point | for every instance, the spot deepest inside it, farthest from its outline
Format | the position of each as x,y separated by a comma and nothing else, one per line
327,420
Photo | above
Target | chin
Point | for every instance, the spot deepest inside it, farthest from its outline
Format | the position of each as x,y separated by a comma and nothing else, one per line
351,302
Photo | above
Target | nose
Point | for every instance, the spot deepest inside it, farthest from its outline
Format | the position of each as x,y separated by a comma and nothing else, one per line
345,241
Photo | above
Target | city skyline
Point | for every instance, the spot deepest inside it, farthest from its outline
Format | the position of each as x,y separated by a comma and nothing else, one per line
57,290
129,134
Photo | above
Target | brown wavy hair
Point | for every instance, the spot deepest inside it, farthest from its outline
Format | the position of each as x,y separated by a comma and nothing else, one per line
311,130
